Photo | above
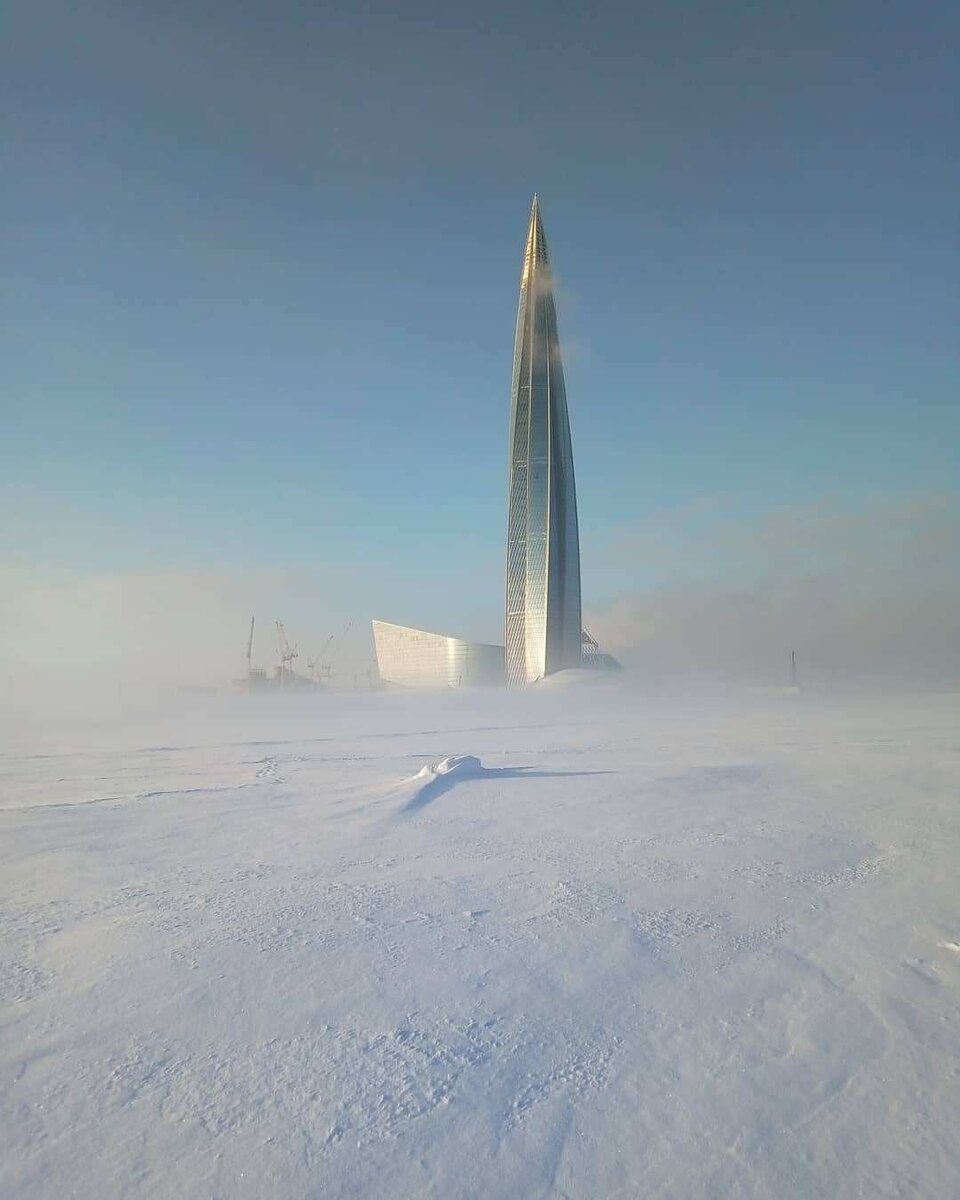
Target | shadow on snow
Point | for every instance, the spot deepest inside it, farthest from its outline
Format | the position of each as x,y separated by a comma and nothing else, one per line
439,784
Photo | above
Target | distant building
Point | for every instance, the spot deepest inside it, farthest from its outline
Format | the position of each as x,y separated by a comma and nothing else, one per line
593,658
542,621
416,658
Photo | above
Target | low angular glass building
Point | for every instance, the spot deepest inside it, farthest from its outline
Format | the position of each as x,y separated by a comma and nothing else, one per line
542,623
417,658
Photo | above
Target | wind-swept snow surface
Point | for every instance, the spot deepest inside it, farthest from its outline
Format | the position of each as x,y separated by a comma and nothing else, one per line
613,946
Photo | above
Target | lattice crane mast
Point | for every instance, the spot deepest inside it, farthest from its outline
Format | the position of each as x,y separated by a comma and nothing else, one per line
287,652
250,646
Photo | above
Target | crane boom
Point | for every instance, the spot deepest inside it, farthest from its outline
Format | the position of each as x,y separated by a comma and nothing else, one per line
287,652
338,641
250,643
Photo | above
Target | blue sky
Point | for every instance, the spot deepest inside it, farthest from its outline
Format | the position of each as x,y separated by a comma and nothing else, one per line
261,283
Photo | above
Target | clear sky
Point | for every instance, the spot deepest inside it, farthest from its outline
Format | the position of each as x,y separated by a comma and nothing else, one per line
260,267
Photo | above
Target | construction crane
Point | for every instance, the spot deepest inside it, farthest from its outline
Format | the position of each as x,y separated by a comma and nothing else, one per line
315,665
250,647
287,653
333,644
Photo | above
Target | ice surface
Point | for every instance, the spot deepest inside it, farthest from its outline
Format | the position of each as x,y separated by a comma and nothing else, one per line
574,942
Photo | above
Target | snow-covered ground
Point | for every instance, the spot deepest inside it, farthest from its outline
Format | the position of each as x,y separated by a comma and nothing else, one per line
642,947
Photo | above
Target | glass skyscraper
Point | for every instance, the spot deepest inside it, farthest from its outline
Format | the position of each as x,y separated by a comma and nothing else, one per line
543,628
542,625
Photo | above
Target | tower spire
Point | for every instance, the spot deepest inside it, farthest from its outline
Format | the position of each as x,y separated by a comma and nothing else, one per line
535,249
542,617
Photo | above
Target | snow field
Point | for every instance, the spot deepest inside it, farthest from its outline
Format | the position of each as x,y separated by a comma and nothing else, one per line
637,947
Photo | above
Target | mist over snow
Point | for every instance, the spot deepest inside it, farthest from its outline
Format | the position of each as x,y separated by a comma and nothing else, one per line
867,594
68,637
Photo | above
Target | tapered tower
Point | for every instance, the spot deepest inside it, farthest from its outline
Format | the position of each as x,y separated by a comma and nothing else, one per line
542,626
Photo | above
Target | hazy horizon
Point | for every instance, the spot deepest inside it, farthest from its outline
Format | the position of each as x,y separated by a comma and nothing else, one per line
259,313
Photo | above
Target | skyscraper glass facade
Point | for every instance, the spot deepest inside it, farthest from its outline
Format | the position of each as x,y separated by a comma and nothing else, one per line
542,623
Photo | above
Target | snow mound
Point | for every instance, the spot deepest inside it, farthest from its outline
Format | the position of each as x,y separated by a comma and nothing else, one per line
456,764
435,778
